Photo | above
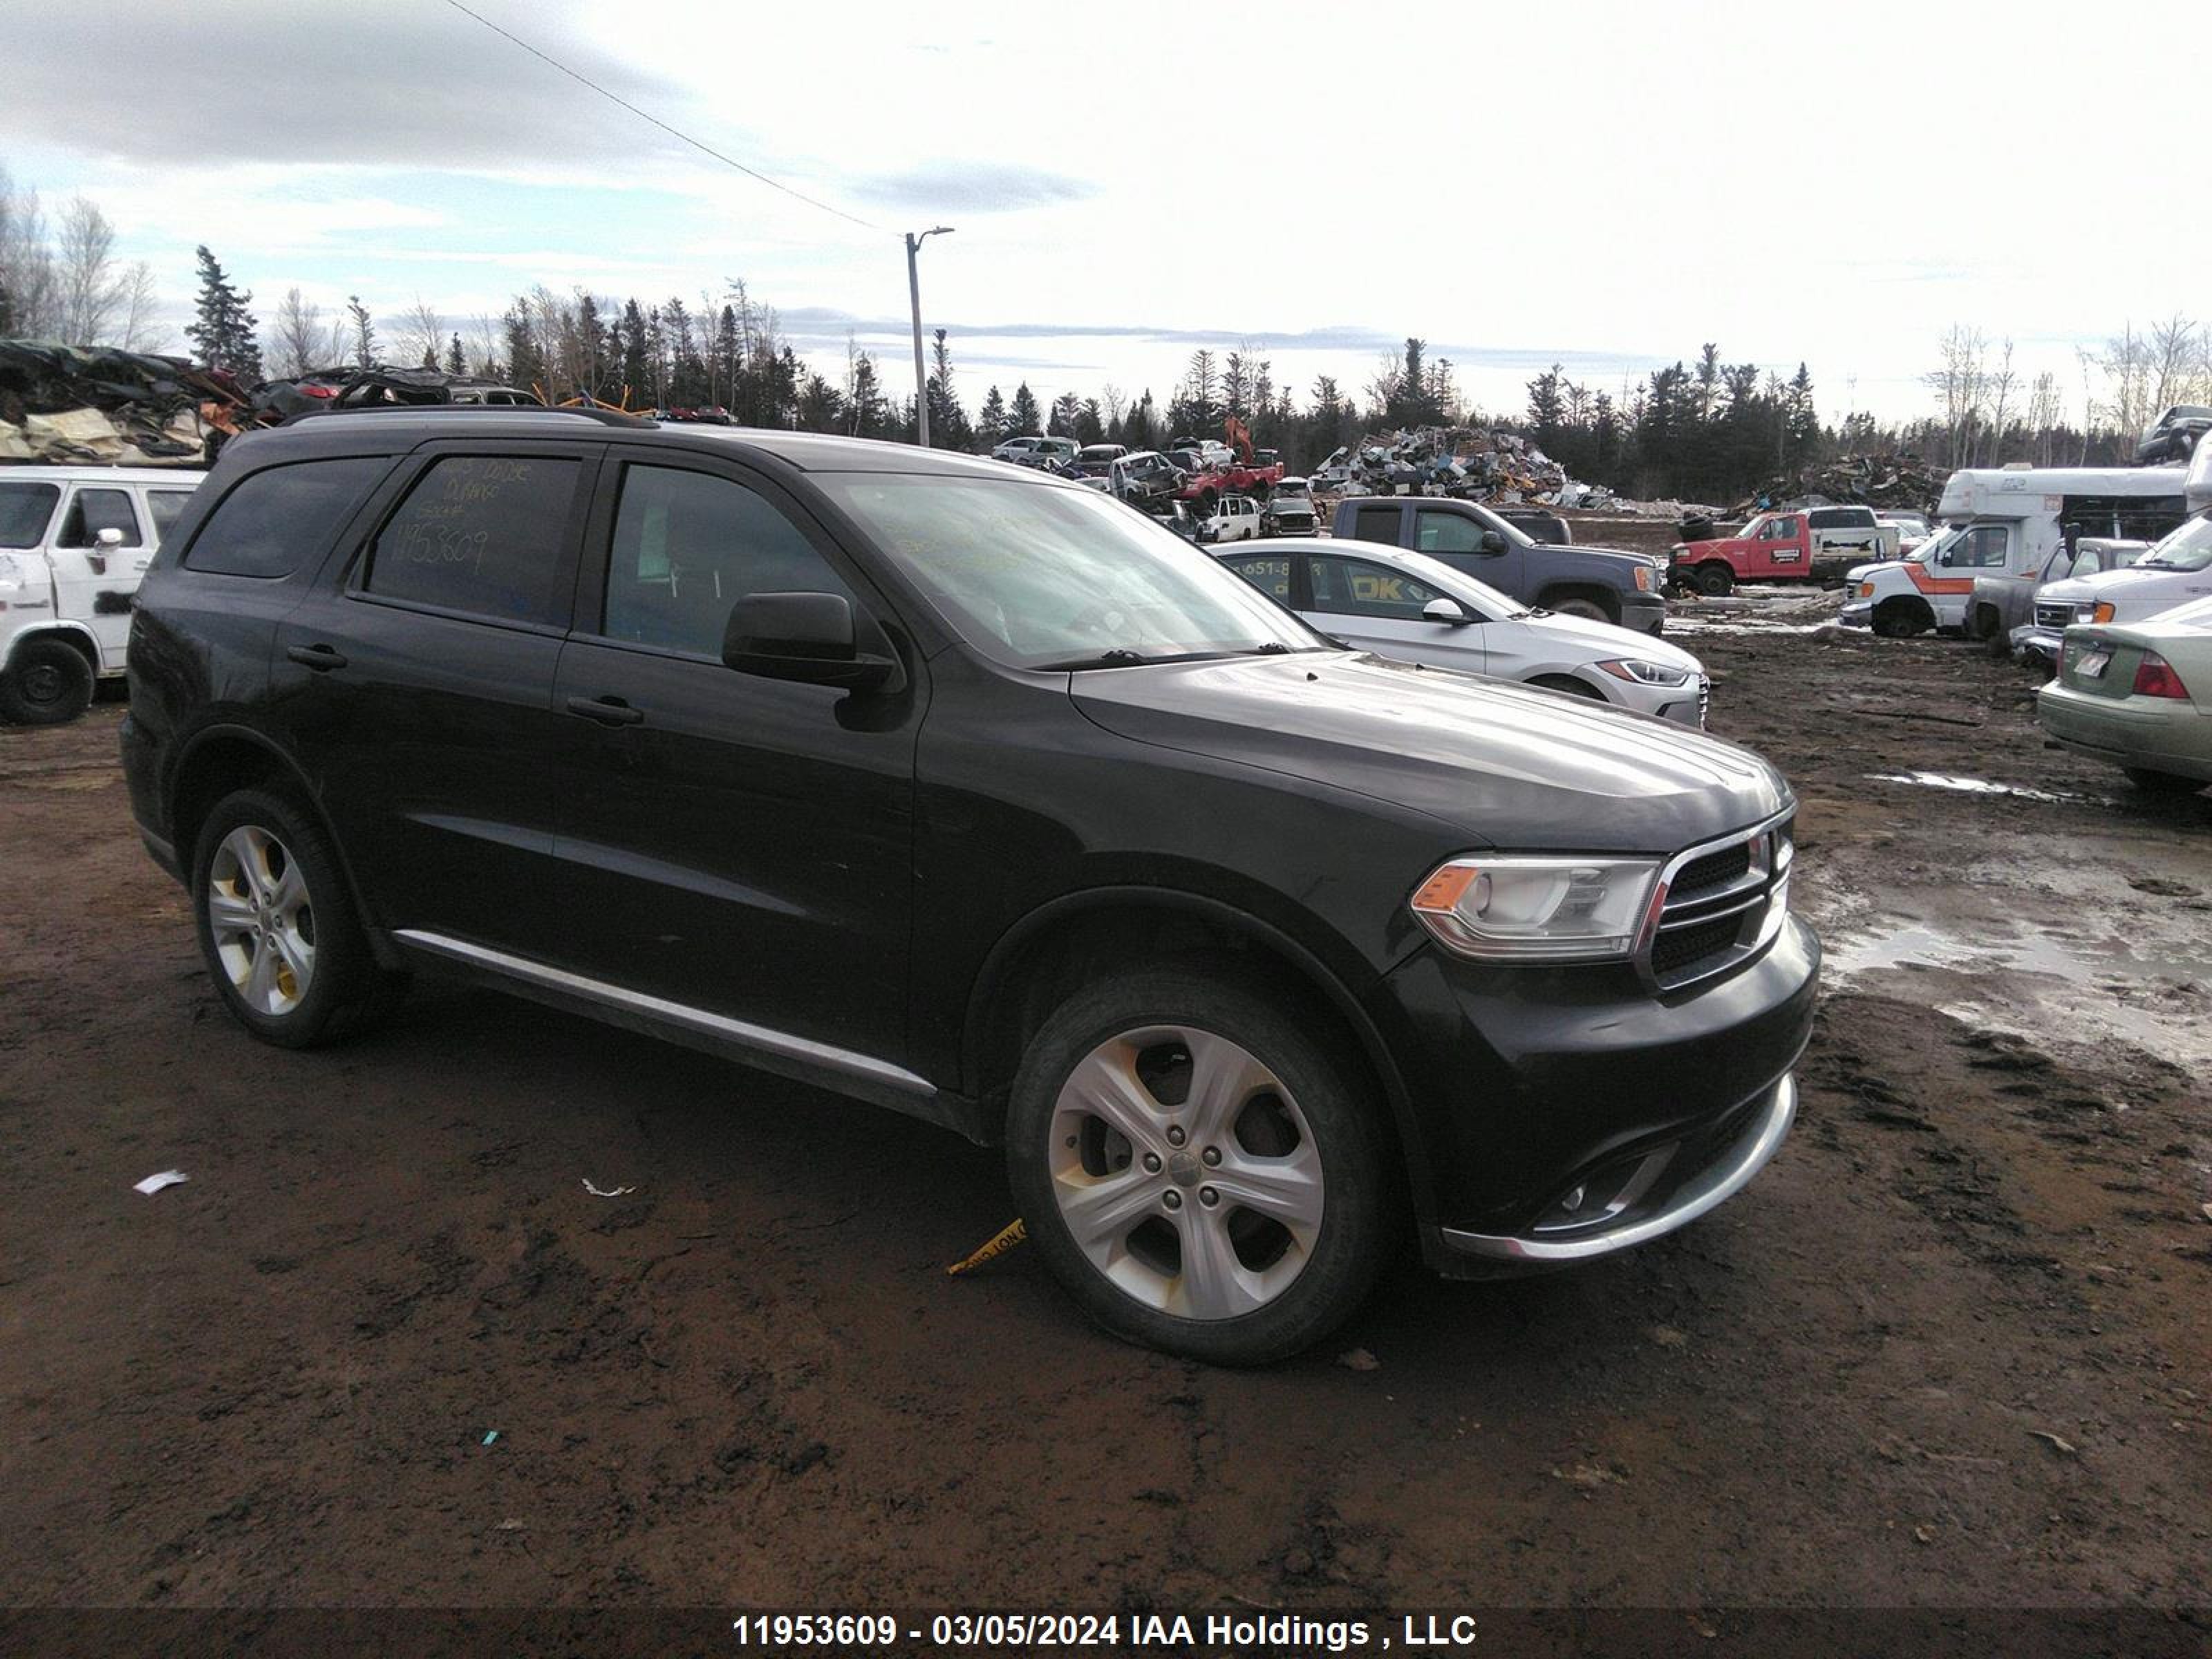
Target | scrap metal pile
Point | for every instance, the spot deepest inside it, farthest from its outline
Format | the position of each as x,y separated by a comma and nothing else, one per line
1471,462
1896,481
60,403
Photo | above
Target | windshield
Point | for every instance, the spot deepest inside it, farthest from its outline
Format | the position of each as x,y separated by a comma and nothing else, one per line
1292,487
2189,548
1935,544
1049,578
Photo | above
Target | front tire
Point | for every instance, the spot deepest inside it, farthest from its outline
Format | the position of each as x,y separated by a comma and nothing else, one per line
1901,619
1713,580
1202,1173
1588,610
277,928
48,683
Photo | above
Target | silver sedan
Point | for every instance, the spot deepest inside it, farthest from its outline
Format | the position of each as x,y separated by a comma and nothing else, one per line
1407,605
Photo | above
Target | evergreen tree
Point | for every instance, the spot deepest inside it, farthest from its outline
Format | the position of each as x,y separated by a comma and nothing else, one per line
821,406
1023,415
636,370
948,421
364,332
1802,423
868,412
525,364
224,332
457,361
1547,409
1141,428
991,423
1065,409
1091,422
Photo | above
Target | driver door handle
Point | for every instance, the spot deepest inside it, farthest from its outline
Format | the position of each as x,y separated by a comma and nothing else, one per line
608,711
320,658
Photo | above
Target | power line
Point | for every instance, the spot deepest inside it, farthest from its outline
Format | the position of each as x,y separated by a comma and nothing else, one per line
708,149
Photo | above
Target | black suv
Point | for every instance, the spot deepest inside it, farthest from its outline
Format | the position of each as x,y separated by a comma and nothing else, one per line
976,795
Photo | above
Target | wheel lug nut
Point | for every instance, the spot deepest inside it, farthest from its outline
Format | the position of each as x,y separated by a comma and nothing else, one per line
1151,1162
1210,1156
1172,1199
1208,1197
1175,1134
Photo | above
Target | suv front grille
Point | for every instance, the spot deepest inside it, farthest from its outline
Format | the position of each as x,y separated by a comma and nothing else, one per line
1721,904
2053,616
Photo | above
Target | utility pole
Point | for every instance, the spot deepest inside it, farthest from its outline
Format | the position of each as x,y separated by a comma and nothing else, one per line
914,295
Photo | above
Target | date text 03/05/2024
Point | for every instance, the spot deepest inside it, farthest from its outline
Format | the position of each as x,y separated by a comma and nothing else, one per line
1170,1630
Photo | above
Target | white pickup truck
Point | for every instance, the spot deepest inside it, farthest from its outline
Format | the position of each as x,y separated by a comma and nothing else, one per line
74,543
1999,520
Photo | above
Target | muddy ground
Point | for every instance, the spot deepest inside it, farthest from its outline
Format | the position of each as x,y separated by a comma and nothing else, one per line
1951,1349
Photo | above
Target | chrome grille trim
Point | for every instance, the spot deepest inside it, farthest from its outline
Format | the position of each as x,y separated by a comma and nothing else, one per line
1760,897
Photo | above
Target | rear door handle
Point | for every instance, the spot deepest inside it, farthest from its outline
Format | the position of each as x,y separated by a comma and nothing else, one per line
608,711
320,658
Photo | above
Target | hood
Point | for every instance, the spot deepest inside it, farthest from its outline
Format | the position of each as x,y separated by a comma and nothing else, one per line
1657,560
1602,641
1859,573
2118,585
1505,765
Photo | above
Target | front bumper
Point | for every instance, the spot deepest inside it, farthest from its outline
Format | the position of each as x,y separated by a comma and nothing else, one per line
1859,613
1522,1084
1646,1196
2035,643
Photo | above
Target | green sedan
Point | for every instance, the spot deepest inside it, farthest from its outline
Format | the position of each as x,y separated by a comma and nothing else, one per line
2139,694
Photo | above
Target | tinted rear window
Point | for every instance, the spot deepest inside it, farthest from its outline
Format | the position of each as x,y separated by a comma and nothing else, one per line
1376,524
481,534
276,520
24,509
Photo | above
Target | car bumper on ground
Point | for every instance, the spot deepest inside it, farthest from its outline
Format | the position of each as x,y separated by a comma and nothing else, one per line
1526,1088
2128,732
2039,644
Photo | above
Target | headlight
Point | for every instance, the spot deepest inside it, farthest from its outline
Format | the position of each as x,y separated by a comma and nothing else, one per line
1866,590
1552,909
1649,673
2103,612
1643,579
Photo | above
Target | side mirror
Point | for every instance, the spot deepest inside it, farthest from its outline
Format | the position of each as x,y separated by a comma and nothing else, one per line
1449,611
107,540
1494,541
805,637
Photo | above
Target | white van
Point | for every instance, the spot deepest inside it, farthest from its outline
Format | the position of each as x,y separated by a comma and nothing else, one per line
74,543
2008,520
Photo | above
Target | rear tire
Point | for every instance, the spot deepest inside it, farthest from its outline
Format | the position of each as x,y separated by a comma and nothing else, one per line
1713,580
1128,1167
48,683
277,928
2166,786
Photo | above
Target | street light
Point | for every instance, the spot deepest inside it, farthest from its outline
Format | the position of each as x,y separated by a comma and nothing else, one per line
913,293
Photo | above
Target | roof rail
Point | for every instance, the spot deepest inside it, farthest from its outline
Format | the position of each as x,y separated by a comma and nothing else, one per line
604,416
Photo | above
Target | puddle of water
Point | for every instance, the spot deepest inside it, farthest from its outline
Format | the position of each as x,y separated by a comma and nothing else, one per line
1745,625
1973,785
2155,998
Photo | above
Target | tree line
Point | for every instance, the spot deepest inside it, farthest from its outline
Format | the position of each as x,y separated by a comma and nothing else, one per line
1710,430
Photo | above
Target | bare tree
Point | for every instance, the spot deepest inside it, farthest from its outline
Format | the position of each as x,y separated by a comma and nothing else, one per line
1116,401
2177,349
298,341
1999,394
90,289
29,293
2044,411
140,330
1958,386
421,335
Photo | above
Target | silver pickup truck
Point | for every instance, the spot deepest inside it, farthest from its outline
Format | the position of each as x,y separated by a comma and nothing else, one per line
2001,612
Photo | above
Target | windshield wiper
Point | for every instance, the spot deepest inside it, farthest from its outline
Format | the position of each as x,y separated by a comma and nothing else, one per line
1120,657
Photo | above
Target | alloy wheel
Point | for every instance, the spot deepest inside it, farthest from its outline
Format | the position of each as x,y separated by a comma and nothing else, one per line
263,921
1185,1172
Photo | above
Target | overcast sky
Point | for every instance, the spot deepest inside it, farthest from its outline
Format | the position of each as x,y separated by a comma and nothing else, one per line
1606,186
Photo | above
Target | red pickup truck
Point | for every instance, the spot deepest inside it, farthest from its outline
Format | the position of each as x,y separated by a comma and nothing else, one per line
1805,544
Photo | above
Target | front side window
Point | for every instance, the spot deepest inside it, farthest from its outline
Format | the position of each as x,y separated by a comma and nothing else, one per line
1354,587
481,534
1036,576
276,519
688,546
1982,548
92,511
24,510
1446,532
1780,529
